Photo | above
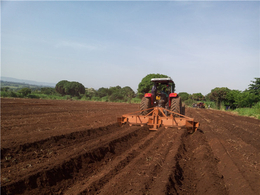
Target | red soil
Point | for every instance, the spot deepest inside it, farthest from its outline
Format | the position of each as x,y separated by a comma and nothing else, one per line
74,147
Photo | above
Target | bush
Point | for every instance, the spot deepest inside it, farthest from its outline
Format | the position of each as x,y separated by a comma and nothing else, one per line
189,102
33,96
95,99
48,91
116,97
85,97
13,94
25,91
211,104
104,99
5,94
136,100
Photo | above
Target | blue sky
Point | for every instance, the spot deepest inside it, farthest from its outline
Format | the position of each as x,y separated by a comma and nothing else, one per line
200,45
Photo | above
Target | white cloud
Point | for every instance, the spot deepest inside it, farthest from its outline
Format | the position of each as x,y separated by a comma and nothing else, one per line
77,45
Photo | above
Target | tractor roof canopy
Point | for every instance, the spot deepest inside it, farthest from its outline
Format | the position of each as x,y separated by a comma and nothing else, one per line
162,80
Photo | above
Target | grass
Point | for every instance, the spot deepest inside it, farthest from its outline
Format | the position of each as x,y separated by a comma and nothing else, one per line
252,112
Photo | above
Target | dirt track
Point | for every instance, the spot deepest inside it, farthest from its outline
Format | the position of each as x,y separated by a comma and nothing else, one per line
72,147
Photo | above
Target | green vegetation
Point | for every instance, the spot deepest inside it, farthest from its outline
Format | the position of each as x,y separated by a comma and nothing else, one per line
254,111
112,94
25,91
218,95
184,96
146,85
197,97
73,88
66,90
254,87
242,102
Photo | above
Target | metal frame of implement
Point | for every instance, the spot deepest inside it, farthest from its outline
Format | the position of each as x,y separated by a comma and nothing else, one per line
157,118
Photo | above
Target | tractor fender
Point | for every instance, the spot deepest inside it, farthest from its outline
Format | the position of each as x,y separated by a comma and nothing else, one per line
149,95
172,95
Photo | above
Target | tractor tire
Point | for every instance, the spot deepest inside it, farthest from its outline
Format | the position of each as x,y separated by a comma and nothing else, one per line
183,109
176,105
145,104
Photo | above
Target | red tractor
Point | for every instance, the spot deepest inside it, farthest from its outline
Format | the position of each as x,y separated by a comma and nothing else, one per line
165,98
160,109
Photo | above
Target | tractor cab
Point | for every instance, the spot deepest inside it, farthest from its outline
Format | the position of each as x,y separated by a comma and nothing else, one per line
161,90
162,95
166,82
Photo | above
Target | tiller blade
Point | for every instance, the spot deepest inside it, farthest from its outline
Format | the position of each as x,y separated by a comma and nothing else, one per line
158,117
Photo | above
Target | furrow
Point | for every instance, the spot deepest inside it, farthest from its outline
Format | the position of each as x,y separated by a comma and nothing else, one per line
56,177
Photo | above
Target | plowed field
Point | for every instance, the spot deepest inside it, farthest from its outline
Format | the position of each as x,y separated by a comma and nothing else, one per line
74,147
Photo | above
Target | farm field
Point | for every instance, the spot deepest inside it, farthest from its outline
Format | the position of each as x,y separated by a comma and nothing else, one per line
76,147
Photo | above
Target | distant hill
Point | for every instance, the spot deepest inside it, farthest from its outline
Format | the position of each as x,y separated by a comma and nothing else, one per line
14,80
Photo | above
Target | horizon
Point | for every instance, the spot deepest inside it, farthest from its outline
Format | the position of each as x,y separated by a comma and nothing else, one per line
52,85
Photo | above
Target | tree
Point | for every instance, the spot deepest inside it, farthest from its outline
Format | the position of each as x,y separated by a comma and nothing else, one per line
184,96
232,97
146,85
60,87
113,90
102,92
254,88
90,92
219,95
208,97
74,88
128,93
25,91
197,96
116,96
245,99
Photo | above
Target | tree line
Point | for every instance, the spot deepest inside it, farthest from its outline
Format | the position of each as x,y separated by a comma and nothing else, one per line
112,94
228,97
75,90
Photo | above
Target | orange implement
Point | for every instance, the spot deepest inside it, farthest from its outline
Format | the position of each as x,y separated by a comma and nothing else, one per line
158,117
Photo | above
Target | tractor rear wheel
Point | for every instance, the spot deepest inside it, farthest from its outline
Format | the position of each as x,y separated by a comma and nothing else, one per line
145,104
176,105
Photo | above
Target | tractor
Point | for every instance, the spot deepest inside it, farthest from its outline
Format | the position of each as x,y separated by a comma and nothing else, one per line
160,109
166,98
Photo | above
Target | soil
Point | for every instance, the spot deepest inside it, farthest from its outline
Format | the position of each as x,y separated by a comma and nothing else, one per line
76,147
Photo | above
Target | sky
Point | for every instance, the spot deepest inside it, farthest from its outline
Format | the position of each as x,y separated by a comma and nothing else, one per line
199,44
